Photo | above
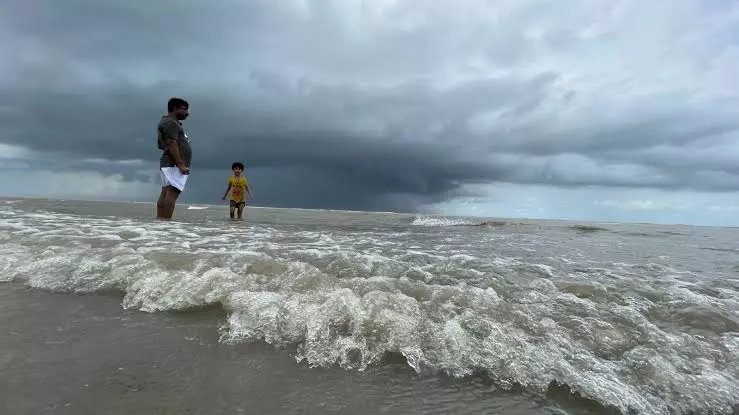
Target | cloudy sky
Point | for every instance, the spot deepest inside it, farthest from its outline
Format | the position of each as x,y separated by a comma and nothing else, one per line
619,110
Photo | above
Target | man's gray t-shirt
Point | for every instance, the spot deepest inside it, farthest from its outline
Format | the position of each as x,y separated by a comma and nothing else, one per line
170,129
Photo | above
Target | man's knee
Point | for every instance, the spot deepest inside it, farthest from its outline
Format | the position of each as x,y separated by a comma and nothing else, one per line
171,192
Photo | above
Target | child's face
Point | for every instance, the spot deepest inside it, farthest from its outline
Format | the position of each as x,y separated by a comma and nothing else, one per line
237,171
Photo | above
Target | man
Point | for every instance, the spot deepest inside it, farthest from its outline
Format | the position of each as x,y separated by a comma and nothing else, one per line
174,165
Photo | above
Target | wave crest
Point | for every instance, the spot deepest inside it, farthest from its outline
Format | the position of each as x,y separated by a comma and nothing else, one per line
443,222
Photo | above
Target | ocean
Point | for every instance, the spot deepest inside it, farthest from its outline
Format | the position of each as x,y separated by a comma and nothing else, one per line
105,310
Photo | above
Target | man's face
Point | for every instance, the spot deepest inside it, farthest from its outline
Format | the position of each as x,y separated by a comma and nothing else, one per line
181,113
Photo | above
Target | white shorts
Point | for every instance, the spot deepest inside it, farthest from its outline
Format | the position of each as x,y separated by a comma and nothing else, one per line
171,176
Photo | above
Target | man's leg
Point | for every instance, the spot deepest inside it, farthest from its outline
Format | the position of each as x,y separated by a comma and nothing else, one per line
170,199
160,202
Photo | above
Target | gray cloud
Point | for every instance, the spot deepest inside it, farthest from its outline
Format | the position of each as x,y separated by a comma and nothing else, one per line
336,106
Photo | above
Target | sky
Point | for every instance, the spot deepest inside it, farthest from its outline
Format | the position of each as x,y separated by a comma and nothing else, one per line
617,110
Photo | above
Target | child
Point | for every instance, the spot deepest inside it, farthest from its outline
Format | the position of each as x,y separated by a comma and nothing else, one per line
238,186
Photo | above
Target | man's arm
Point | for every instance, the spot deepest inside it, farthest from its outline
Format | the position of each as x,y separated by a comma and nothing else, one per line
174,151
171,132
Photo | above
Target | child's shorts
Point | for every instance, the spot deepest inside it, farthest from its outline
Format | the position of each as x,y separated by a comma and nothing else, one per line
235,204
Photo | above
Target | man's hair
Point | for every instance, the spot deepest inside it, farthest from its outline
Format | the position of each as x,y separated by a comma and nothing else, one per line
237,164
175,103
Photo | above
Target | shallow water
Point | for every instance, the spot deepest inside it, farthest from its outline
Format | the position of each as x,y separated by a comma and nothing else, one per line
637,318
71,354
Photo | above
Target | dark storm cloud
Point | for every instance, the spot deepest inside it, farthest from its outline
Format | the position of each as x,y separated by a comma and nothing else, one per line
315,130
326,96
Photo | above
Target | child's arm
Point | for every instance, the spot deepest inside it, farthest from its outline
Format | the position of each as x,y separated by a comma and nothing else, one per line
227,190
248,190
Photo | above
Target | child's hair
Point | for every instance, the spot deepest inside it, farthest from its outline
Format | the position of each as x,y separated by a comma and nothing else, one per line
237,164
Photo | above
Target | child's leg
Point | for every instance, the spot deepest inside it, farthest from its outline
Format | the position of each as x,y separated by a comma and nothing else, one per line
241,208
231,210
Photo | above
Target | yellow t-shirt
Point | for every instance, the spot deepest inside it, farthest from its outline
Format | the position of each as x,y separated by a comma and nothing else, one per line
238,188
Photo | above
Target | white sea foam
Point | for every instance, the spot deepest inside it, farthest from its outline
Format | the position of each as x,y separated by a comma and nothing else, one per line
634,336
441,221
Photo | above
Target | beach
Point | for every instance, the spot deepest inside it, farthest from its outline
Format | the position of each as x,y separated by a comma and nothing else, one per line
300,311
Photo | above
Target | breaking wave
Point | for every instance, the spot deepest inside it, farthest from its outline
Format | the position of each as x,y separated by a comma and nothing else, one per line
444,221
588,228
642,338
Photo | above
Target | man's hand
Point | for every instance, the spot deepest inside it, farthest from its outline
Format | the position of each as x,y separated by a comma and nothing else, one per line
183,169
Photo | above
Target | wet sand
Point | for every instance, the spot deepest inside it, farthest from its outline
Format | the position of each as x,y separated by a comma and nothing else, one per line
83,354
